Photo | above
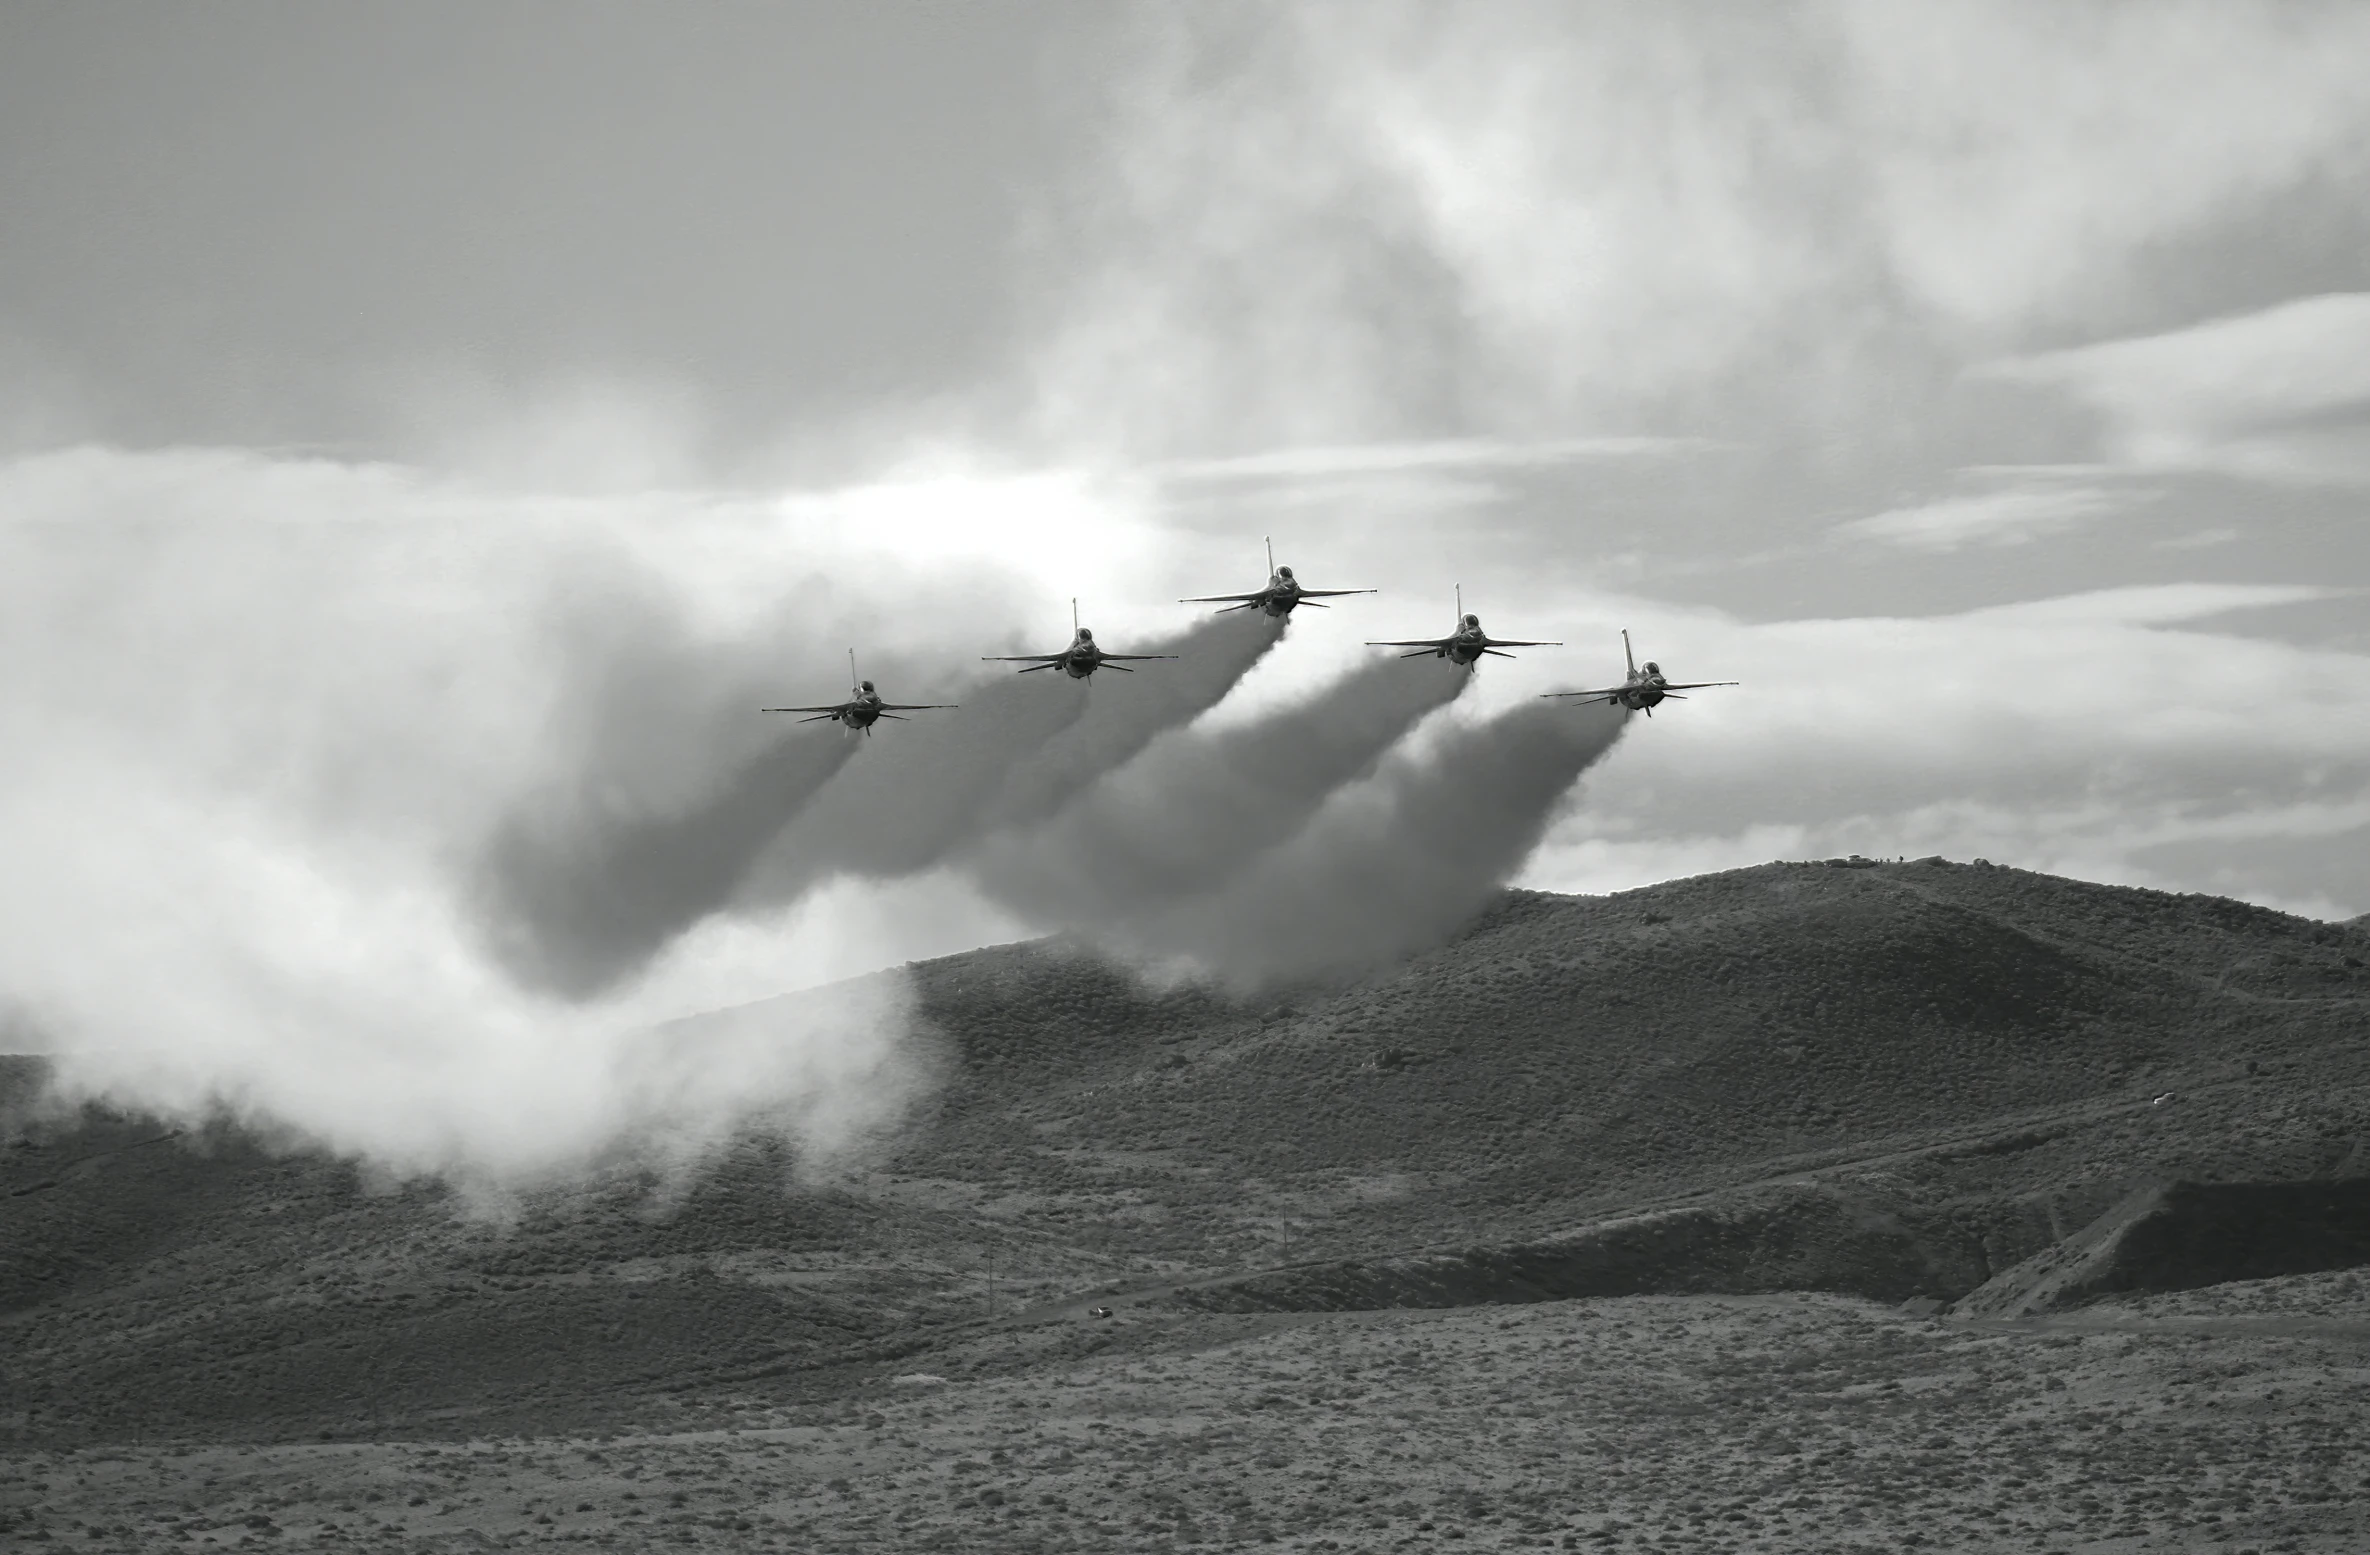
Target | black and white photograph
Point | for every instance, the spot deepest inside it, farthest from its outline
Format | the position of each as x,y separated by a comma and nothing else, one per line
1074,777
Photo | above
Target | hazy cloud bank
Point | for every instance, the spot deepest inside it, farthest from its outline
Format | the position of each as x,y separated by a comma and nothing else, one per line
1393,865
274,724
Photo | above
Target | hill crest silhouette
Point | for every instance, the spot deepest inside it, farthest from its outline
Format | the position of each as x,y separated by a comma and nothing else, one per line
1890,1079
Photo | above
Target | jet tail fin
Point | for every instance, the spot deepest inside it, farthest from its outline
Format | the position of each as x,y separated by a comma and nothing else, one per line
1626,654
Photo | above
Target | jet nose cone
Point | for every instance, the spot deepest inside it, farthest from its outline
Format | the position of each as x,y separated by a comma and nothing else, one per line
1084,635
1472,620
1284,573
865,687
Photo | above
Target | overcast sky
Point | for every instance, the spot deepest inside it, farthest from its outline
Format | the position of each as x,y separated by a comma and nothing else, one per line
1986,386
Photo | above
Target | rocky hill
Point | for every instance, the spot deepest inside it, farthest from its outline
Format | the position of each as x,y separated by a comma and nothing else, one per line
1896,1080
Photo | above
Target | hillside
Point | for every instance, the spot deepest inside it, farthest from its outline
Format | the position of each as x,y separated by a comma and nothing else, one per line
1894,1080
1965,1042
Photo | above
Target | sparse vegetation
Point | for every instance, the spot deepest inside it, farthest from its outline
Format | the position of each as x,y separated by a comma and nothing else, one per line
1890,1079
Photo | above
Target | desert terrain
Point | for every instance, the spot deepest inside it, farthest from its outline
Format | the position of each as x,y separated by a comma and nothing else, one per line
1810,1207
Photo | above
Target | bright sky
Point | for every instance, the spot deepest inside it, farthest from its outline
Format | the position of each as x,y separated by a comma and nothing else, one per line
1986,386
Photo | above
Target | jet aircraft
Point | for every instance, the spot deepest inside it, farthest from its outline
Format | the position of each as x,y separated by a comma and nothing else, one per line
1082,658
863,707
1466,644
1282,593
1644,688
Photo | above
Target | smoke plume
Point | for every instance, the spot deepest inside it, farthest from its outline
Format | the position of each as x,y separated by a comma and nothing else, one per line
293,746
582,893
1392,866
1020,749
1194,806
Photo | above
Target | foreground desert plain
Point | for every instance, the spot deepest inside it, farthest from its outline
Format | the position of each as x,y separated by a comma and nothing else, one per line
1800,1208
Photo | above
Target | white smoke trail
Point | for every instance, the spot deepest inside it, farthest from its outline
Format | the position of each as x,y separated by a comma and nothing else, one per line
261,719
1196,806
1392,866
1019,752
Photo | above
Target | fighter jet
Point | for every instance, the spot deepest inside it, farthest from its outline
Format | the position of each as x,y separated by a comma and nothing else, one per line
1082,658
863,707
1466,644
1644,688
1282,593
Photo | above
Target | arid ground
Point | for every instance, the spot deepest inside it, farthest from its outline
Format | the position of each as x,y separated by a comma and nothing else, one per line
1805,1208
1739,1423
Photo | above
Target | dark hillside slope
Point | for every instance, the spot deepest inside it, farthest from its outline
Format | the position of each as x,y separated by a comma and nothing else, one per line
1575,1056
200,1286
1887,1079
2183,1235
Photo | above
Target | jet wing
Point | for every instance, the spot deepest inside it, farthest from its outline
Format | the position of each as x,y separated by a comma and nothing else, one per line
1108,657
1608,693
836,707
1417,642
1696,685
917,707
1223,599
1022,658
1334,593
1511,642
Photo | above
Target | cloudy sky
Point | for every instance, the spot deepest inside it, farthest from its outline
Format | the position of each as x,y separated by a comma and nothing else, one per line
412,410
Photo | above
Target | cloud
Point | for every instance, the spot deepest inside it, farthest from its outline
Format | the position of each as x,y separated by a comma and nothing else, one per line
2157,604
2023,160
2282,394
1335,224
2200,539
293,743
1291,464
2013,516
2176,847
2101,724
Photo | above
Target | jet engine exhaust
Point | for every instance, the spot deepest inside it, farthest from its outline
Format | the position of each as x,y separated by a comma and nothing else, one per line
1393,866
581,900
1193,808
1021,749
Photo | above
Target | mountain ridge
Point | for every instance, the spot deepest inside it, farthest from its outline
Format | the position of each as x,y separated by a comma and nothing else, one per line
1891,1079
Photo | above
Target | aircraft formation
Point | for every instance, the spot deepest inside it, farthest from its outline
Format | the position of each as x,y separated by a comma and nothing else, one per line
1645,688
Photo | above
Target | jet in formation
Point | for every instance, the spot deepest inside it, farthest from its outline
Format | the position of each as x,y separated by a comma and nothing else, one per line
1644,690
1466,644
863,708
1282,594
1645,687
1082,658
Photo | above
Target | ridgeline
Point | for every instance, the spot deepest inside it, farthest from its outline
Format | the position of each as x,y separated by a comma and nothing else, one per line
1919,1080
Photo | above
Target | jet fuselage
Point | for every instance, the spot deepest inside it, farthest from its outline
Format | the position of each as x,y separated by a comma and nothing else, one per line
1281,594
862,709
1644,689
1465,644
1082,658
